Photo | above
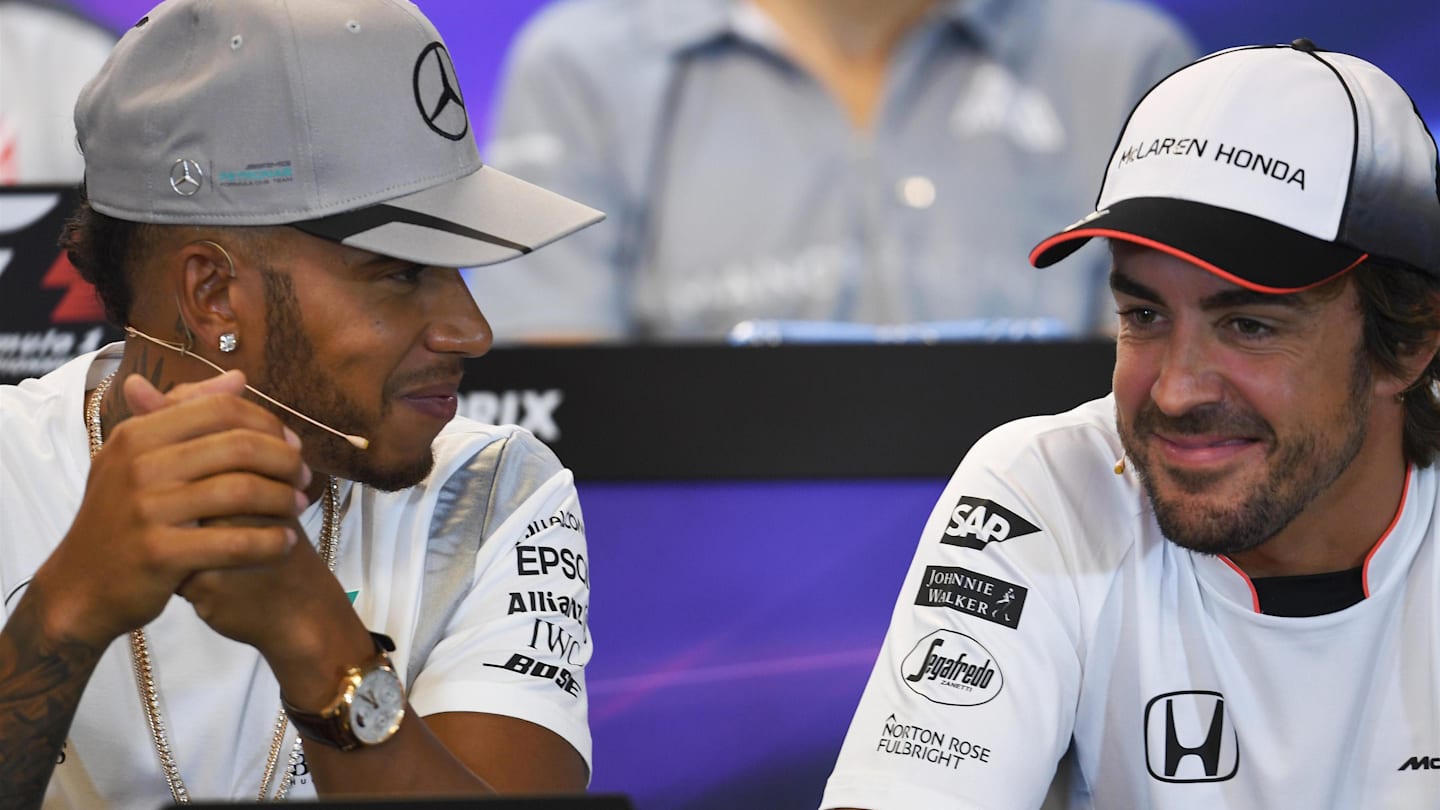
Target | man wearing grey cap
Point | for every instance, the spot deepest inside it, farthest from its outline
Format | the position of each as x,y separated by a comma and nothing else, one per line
384,599
1242,615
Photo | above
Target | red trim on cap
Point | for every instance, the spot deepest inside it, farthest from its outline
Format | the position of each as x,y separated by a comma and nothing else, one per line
1254,595
1365,572
1063,236
1107,233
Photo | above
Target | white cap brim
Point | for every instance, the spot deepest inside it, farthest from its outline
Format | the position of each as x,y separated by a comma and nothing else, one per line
482,218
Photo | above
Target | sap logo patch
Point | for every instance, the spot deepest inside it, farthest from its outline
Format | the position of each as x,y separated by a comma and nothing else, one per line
976,521
1189,737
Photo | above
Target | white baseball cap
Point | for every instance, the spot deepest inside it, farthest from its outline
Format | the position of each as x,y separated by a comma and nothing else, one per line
1276,167
343,118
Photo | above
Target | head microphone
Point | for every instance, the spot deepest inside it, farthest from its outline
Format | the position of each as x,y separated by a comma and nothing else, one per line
358,441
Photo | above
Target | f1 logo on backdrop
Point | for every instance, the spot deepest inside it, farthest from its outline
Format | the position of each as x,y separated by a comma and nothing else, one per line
48,314
1189,737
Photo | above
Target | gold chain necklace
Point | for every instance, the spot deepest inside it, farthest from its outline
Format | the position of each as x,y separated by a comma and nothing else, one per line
145,670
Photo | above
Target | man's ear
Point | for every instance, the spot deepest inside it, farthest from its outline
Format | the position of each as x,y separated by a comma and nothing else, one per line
1419,356
1416,356
206,286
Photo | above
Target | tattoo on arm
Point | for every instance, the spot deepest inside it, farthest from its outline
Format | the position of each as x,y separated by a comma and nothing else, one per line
40,686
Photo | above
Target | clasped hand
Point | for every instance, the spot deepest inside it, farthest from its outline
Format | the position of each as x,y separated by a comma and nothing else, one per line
155,520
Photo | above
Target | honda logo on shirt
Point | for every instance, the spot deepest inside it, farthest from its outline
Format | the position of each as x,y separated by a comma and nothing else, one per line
1189,738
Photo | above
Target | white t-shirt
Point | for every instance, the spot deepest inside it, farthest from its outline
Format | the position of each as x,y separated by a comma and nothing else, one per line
1044,612
516,644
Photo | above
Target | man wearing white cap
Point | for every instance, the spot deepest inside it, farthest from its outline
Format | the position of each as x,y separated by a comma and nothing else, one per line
383,598
1242,614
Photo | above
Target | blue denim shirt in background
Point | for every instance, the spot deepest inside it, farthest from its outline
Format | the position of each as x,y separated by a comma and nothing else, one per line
737,189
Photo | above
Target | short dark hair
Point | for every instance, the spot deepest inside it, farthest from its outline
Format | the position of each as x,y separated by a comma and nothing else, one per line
108,251
105,250
1401,307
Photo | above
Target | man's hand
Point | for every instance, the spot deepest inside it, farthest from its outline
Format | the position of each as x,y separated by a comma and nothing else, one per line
288,605
199,452
291,609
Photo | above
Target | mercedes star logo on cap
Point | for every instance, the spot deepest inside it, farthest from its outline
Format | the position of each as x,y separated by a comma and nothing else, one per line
437,93
186,177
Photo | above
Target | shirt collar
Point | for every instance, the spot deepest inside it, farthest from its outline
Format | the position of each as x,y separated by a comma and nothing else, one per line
1002,28
999,26
1386,565
679,26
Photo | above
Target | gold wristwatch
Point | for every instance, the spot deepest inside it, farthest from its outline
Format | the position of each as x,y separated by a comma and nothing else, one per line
366,711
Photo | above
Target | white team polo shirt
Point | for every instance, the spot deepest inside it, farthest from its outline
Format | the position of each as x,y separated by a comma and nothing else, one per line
1045,610
515,644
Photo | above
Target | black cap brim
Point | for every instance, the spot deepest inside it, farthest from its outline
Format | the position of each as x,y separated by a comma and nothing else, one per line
1244,249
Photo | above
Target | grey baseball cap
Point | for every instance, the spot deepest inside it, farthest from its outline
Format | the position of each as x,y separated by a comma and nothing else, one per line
343,118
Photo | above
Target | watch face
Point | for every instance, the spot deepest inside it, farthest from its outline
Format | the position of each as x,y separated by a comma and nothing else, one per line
377,707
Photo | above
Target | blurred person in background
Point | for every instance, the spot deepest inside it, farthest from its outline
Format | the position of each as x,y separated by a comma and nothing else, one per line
47,53
814,160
